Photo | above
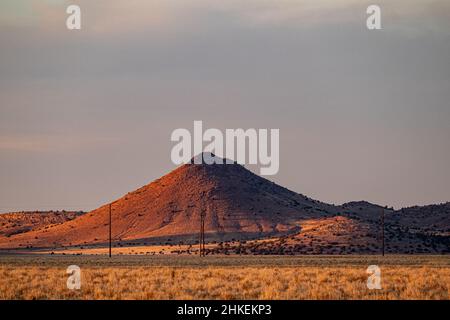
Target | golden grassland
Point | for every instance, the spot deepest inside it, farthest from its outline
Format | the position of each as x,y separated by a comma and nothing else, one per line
307,277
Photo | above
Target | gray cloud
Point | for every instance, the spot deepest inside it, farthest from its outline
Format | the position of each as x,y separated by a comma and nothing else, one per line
362,115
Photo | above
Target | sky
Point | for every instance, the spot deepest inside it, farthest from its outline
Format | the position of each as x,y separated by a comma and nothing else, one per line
86,116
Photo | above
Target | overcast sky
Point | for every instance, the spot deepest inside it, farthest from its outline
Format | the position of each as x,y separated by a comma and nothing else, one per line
86,116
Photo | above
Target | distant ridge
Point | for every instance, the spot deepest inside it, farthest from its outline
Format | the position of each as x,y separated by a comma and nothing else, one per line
12,223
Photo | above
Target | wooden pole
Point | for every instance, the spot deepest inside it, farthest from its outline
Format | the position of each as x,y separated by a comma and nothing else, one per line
203,238
382,232
110,231
202,234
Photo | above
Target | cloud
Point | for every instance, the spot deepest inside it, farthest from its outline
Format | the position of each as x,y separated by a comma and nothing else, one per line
172,17
140,68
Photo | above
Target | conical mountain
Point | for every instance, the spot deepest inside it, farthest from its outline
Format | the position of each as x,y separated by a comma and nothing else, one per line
236,203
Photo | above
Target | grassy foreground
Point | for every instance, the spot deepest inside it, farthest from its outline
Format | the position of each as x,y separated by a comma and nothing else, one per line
224,277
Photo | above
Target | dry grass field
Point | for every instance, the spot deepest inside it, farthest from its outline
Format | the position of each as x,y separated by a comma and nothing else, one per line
234,277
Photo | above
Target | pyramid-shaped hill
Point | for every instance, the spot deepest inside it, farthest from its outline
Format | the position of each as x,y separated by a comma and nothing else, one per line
236,203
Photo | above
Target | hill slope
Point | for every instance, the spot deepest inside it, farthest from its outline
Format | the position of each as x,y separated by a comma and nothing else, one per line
237,203
262,216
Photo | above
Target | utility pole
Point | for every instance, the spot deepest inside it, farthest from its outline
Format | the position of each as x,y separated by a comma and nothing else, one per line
204,249
382,232
110,233
202,234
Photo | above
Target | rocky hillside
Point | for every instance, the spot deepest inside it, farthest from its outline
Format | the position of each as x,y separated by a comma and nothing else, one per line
13,223
249,213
